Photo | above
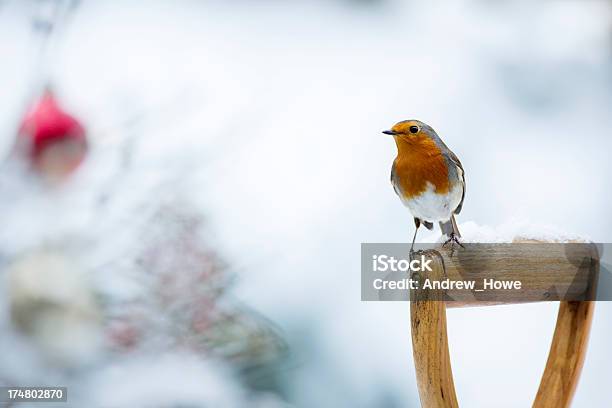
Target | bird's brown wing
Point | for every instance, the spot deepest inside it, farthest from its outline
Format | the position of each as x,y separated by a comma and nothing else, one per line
455,160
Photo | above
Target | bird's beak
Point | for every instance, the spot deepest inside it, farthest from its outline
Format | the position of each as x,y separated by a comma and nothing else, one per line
389,132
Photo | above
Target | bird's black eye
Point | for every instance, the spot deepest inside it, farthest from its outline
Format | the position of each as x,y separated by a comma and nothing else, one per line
414,129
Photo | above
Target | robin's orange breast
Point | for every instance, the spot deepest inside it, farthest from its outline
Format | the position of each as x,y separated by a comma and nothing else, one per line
419,161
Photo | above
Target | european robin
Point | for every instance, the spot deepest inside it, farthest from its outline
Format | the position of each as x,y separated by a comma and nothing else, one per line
428,177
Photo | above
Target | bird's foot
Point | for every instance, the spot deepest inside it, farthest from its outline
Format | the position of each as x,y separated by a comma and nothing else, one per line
418,252
452,240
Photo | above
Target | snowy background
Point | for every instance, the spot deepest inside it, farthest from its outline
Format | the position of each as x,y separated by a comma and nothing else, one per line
263,119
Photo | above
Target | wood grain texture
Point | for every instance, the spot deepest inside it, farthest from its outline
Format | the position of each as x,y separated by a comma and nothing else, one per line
547,271
430,346
566,356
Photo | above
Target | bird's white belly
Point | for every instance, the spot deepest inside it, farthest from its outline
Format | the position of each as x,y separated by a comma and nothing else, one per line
433,207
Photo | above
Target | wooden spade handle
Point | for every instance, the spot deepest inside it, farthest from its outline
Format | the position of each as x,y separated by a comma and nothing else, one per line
432,359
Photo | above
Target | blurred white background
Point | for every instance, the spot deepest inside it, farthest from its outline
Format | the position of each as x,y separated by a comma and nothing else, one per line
267,115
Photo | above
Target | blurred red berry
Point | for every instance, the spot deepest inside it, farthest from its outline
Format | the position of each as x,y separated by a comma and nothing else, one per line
51,138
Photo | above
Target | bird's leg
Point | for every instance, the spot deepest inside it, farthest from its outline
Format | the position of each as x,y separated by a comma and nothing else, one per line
417,224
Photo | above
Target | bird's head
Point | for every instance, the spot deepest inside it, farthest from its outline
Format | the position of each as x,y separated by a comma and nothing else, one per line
413,135
409,129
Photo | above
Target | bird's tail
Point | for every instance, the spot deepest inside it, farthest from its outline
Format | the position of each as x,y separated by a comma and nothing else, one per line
450,226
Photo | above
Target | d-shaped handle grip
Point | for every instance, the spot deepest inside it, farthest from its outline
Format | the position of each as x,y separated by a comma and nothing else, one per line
432,359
